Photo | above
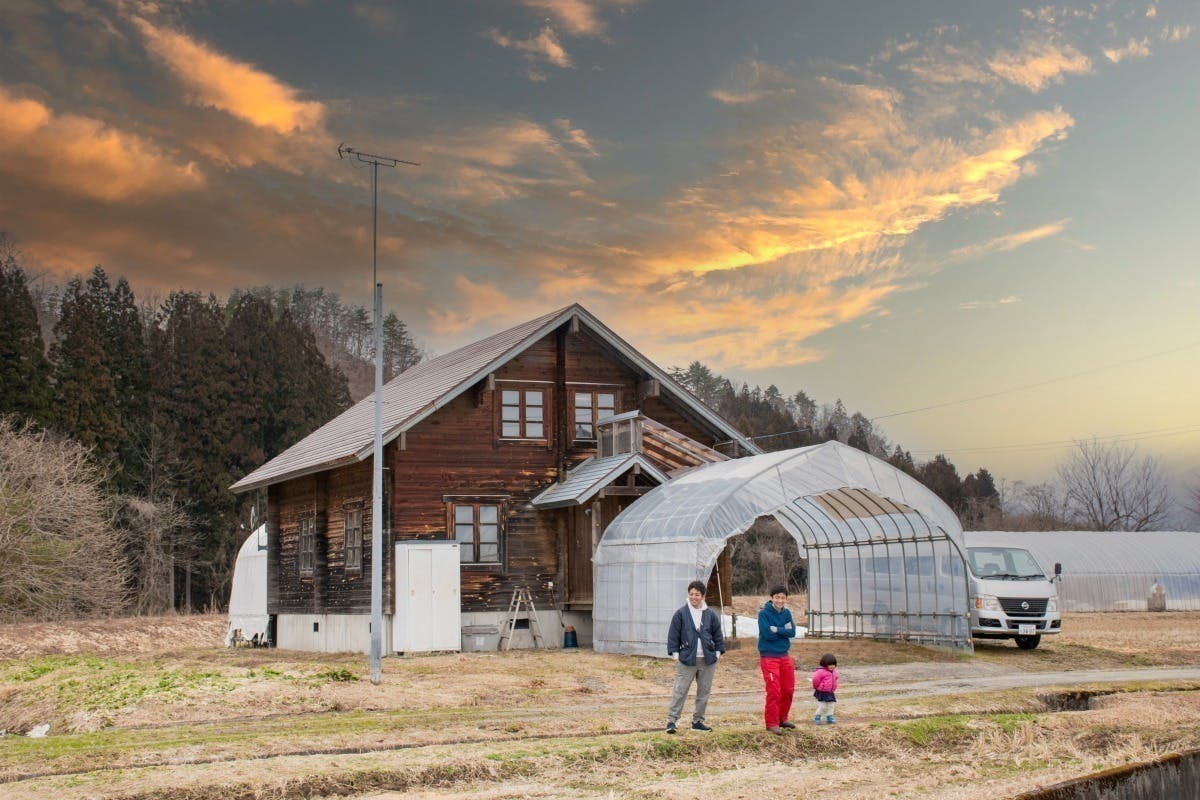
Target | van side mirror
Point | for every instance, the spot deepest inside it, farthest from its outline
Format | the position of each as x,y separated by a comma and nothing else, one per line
1057,570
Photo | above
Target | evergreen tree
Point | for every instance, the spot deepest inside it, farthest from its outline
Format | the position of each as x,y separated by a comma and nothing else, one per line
24,372
399,351
192,382
253,345
308,392
859,438
85,396
941,477
128,359
902,460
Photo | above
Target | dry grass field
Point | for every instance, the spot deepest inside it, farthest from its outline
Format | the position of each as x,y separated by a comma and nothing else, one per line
157,708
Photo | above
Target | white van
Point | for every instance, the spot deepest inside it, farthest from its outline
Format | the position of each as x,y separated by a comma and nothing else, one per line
1011,596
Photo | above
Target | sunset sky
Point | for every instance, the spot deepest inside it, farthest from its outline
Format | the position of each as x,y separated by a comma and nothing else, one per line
908,205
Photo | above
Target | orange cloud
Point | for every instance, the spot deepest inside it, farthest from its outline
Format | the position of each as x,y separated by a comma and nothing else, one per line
83,156
240,89
542,48
1009,242
1133,49
577,17
1037,64
799,191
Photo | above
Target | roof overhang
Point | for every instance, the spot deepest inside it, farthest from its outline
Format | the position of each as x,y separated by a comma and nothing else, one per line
586,480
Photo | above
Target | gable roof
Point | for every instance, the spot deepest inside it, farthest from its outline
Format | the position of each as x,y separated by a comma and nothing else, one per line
418,392
591,476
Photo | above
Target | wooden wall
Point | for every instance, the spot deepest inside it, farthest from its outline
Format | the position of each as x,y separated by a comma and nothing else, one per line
456,452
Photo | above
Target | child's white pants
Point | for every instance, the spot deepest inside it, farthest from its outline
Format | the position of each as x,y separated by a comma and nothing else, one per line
825,709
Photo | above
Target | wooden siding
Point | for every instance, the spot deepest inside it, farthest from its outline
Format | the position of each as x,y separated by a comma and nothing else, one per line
457,452
330,589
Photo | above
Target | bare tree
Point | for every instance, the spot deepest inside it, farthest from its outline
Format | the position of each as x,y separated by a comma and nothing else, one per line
1108,488
1194,502
58,557
152,532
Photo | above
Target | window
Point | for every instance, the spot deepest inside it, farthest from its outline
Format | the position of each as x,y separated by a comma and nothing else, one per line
589,407
354,539
522,414
308,544
477,531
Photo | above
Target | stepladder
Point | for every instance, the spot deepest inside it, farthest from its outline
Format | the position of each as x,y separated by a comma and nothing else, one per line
521,608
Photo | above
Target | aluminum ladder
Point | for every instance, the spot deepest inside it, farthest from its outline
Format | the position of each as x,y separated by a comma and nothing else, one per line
521,607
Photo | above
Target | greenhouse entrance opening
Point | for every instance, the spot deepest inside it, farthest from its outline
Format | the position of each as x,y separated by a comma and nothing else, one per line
885,555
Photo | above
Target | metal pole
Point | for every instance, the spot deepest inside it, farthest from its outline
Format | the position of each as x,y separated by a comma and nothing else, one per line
377,453
377,450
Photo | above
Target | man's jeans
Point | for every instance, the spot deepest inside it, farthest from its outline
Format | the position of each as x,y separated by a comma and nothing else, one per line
702,674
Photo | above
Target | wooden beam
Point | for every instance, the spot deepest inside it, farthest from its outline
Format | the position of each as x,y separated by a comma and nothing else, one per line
624,491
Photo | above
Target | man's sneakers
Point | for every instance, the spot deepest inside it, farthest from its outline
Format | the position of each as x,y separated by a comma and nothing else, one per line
791,726
700,726
778,731
670,727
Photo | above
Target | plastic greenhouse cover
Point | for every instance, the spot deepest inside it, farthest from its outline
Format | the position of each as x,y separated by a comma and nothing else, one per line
1112,570
674,533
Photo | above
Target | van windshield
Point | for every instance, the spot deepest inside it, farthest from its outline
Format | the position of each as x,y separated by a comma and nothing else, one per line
1004,562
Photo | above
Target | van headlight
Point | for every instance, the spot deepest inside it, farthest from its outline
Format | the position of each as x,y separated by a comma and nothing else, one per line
987,602
1052,604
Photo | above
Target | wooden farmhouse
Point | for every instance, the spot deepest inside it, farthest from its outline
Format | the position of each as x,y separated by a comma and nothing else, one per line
520,448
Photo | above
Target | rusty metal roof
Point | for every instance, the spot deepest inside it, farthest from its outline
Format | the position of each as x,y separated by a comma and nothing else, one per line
418,392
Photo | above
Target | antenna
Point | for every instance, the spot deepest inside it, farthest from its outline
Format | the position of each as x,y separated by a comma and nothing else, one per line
376,161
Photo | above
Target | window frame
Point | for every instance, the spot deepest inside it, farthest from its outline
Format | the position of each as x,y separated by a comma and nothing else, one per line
475,503
306,545
347,511
523,390
594,407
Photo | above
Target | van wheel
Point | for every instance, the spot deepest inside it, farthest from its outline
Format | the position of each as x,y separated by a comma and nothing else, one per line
1028,642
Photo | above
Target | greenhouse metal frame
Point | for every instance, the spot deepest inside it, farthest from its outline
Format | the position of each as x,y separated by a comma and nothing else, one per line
885,554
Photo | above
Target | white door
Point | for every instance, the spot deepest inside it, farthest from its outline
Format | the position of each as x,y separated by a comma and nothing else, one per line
428,616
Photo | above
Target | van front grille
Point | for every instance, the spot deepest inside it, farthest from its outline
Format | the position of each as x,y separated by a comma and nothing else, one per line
1023,607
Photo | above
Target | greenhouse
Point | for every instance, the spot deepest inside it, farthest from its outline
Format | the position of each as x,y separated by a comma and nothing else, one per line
1111,570
885,554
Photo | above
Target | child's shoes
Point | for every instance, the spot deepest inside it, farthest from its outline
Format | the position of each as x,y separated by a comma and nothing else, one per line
829,720
817,719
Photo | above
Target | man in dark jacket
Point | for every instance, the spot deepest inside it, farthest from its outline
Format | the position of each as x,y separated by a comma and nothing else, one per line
696,641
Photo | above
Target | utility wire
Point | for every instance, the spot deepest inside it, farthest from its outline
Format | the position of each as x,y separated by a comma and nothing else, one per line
1137,436
1036,385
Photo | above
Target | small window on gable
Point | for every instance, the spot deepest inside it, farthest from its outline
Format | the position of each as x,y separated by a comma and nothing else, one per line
522,413
589,407
354,539
307,546
477,530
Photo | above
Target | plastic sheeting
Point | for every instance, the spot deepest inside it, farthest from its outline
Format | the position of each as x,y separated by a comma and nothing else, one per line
884,553
1110,570
248,595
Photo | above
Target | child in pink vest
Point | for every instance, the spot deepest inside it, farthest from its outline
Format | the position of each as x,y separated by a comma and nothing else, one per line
825,683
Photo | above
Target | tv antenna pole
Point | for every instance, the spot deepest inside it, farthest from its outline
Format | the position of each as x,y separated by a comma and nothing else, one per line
375,162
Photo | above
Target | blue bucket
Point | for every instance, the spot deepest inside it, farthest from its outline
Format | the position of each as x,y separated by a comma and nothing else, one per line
570,639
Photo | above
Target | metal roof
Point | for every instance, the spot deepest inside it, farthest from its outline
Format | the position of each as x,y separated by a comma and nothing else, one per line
418,392
591,476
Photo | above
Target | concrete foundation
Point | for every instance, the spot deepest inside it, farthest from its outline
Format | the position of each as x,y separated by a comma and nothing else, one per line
329,633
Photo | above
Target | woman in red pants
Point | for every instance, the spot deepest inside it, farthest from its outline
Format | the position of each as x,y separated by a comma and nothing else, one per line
775,633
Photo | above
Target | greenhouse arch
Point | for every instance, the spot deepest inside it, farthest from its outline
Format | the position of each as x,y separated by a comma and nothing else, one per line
885,554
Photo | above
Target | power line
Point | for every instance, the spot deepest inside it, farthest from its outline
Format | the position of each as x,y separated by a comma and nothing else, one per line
1137,436
1036,385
